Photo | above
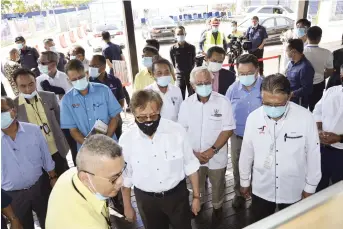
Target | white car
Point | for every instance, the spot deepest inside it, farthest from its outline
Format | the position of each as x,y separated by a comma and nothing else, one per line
269,10
95,37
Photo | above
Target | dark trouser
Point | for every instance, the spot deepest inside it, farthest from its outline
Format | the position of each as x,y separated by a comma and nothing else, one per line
61,163
28,200
72,144
119,129
127,97
262,208
158,212
182,81
332,166
259,54
316,95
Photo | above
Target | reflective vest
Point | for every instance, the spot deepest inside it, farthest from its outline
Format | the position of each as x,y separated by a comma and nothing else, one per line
210,42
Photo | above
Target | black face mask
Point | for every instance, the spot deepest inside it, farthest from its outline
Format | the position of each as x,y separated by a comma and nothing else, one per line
149,128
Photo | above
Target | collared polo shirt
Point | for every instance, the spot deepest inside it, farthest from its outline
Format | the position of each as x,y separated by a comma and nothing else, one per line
244,102
172,100
81,112
28,59
300,75
256,36
112,51
183,57
113,83
68,209
204,122
320,59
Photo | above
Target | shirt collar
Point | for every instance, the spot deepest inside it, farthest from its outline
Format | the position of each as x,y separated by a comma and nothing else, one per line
97,204
90,89
20,129
184,45
22,100
311,45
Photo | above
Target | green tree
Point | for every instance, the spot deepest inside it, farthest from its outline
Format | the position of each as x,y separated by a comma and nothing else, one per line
20,6
6,6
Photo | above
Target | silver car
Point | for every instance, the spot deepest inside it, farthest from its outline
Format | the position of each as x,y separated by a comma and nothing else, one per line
159,28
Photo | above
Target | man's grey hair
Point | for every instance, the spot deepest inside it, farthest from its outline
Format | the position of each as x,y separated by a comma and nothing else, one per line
196,70
51,56
141,98
93,149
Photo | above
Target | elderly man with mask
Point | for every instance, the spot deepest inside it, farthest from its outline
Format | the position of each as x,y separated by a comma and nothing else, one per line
49,45
170,94
51,79
280,151
207,116
87,187
157,165
222,78
245,97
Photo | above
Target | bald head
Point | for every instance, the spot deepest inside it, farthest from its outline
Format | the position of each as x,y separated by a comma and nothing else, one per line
95,149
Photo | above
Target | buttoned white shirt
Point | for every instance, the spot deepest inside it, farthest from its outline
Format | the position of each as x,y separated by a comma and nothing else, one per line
320,59
204,122
283,155
160,163
329,111
60,80
172,100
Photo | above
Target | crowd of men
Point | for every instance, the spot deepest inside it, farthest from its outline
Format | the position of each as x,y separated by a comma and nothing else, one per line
290,152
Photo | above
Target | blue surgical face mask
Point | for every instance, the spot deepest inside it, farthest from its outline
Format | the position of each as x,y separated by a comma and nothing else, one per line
81,84
97,194
29,96
203,90
72,57
43,69
181,38
6,119
247,80
147,62
214,29
20,45
93,72
300,32
274,112
163,81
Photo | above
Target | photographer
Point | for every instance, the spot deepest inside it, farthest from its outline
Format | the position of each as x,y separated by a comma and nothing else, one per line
257,34
234,31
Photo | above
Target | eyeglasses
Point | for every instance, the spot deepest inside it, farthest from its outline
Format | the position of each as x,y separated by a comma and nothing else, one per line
113,179
152,117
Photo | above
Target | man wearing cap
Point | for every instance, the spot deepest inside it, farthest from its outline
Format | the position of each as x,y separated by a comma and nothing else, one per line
213,37
28,55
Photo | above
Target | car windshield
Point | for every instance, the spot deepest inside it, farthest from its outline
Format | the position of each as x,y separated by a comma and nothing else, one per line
251,9
100,28
161,21
288,9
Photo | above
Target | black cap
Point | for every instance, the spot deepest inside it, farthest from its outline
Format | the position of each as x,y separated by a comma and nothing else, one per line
20,38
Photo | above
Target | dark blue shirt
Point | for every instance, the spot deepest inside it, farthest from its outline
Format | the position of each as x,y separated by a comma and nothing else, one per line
113,83
28,59
300,75
256,36
112,51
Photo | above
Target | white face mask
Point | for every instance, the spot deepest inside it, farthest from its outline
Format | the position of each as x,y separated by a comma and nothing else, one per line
52,49
93,72
29,96
214,66
43,69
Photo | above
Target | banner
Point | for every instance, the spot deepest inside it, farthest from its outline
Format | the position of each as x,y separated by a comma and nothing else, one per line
6,34
39,23
22,26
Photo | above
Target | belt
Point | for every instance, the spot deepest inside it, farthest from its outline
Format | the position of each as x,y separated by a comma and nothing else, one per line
164,193
240,137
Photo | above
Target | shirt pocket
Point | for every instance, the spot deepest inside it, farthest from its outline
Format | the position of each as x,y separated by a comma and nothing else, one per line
174,158
100,109
215,122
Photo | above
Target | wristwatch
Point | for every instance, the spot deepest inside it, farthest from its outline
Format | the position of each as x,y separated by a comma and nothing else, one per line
341,141
197,197
215,149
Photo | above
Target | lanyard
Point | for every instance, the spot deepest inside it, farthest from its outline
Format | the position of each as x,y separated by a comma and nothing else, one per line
108,221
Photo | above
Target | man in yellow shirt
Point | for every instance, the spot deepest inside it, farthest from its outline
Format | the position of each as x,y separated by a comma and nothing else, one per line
86,188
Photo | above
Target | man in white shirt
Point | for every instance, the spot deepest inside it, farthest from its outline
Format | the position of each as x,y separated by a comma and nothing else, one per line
328,114
171,95
51,79
157,164
208,119
322,62
280,151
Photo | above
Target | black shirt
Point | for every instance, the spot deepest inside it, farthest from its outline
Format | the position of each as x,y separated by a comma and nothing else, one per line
112,51
28,59
183,57
113,83
61,62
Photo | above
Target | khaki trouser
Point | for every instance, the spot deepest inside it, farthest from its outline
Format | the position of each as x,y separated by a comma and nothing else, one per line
217,179
236,144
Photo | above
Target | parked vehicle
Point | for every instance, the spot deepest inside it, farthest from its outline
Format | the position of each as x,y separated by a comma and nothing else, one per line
269,10
95,38
274,25
159,28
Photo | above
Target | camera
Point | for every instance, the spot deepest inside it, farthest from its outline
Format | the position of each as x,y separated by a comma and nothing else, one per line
237,47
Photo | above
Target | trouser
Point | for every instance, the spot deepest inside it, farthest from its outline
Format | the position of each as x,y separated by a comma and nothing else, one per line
119,129
217,180
61,163
182,81
332,166
236,145
259,54
27,200
262,208
159,211
316,95
127,97
72,144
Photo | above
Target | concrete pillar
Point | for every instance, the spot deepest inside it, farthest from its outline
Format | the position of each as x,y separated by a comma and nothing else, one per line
301,9
239,6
